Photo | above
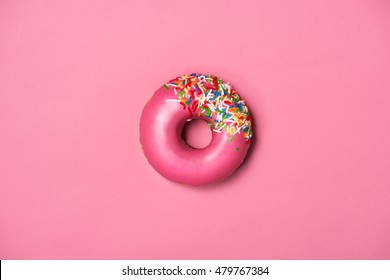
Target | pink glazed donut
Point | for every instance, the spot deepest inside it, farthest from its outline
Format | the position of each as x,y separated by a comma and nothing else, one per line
186,98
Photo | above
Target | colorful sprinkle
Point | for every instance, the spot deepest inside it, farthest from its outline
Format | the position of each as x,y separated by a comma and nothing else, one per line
209,96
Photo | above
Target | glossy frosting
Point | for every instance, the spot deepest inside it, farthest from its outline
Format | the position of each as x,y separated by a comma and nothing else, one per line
183,99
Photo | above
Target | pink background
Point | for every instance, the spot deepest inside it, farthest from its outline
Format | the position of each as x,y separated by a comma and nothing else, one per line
75,75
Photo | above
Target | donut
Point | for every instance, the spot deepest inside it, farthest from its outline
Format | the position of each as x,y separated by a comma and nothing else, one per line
189,97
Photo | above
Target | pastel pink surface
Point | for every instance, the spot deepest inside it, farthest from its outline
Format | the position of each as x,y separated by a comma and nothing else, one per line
75,75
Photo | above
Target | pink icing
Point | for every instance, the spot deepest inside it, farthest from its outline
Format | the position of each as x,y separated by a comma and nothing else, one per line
160,135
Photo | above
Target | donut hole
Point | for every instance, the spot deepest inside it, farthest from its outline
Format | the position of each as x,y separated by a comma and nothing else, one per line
197,134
